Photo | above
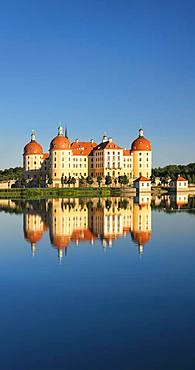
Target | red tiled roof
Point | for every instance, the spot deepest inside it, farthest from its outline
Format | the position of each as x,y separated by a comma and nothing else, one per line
60,142
82,147
126,152
180,178
60,241
86,151
82,234
83,144
45,156
142,178
107,145
141,237
33,148
33,236
141,143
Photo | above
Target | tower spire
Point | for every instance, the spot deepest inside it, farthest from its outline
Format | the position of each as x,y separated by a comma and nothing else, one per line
33,137
66,132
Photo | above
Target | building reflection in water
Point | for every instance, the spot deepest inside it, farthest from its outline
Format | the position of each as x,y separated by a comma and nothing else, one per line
175,201
73,221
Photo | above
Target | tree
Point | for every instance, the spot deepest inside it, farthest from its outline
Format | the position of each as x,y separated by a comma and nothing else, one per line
99,180
39,181
89,204
50,180
120,180
89,180
23,182
82,181
65,180
73,181
108,180
125,180
108,204
69,181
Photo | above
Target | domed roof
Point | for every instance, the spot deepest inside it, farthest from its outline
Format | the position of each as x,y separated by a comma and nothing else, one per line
33,147
141,237
60,241
60,142
33,236
141,143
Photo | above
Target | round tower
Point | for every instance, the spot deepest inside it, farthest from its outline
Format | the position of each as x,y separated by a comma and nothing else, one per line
141,232
142,156
60,156
33,229
32,158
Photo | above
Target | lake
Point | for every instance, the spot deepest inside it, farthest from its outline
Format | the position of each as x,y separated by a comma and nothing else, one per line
98,283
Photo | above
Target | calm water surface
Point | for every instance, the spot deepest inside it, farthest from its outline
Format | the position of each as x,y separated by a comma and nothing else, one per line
90,284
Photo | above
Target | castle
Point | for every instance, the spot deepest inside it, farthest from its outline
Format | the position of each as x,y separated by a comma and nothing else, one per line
83,159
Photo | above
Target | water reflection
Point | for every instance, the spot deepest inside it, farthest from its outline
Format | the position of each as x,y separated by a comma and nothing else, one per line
175,201
73,221
84,220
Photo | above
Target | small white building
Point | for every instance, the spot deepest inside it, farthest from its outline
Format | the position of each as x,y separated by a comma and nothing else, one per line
180,184
142,184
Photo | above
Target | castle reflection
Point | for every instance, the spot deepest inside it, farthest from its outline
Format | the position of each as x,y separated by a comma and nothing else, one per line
70,221
73,221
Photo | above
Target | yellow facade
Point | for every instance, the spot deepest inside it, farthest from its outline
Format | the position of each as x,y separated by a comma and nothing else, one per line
82,159
72,221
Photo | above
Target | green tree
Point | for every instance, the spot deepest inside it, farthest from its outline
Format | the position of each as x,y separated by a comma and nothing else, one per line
50,180
69,181
125,180
39,180
89,180
108,180
99,180
23,182
65,180
62,181
108,203
120,180
73,181
82,181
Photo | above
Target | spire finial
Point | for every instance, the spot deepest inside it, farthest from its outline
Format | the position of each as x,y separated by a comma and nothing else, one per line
33,137
66,132
60,130
141,132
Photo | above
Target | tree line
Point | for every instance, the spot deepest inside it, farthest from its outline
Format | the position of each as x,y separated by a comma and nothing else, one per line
172,171
11,174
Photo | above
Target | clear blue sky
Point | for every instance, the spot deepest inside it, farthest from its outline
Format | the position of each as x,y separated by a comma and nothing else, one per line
107,65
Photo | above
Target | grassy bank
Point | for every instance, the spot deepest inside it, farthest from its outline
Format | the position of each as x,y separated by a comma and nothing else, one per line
39,193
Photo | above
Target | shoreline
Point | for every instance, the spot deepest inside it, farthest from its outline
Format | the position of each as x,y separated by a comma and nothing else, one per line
42,193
